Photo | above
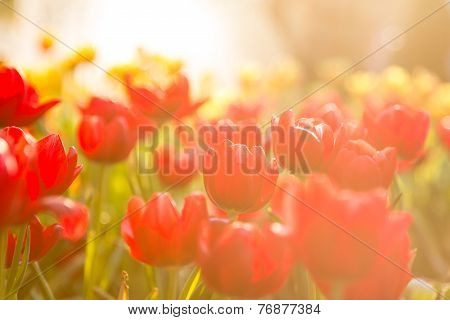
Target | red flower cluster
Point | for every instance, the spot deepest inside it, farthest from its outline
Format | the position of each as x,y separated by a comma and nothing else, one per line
337,223
33,174
352,244
19,102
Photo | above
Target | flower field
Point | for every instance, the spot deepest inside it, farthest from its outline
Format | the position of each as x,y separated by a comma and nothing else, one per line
151,184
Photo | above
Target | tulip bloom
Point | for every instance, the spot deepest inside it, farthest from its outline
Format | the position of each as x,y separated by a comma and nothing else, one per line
444,131
391,270
239,179
359,166
330,226
72,220
175,168
31,171
108,131
158,234
73,217
55,170
329,113
304,145
159,104
41,241
241,260
19,102
397,126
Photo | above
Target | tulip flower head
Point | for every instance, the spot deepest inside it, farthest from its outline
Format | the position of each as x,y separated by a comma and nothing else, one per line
30,171
72,221
334,228
391,271
398,126
359,166
157,234
304,145
107,132
19,102
238,178
242,260
160,105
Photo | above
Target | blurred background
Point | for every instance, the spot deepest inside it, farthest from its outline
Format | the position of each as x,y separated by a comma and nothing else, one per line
222,36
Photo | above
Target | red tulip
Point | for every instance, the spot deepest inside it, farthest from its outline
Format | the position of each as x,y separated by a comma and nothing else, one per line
175,167
42,240
397,126
330,113
239,179
303,145
162,104
11,184
19,102
31,171
156,232
18,156
108,131
73,217
55,170
331,225
72,221
359,166
390,273
444,131
242,260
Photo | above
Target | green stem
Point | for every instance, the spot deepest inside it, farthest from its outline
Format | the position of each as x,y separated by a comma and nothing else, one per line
94,229
43,284
17,256
151,277
191,284
172,283
3,248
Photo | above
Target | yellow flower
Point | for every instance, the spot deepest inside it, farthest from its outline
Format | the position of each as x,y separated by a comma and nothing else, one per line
395,80
439,102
